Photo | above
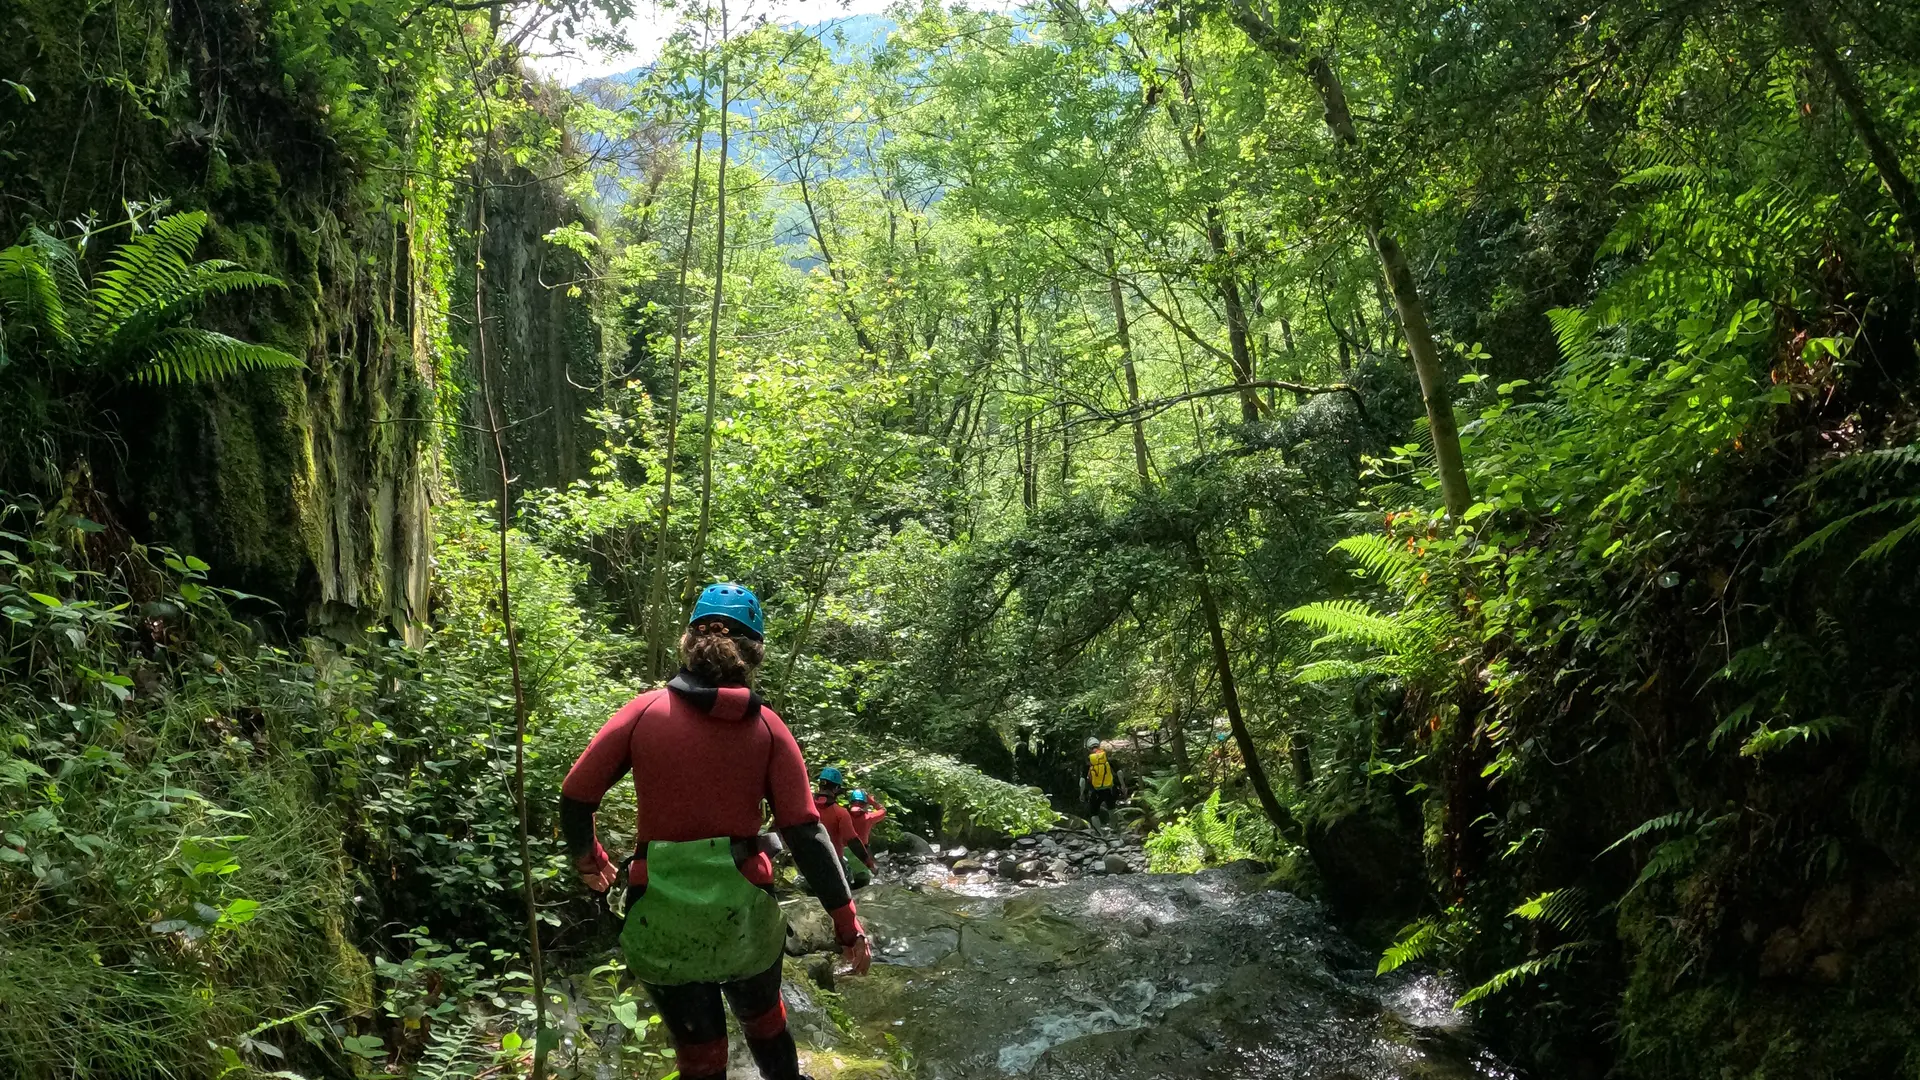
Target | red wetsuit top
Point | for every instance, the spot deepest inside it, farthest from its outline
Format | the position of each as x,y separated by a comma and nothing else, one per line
864,819
839,823
697,775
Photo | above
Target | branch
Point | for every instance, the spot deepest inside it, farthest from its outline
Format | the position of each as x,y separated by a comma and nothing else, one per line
1149,409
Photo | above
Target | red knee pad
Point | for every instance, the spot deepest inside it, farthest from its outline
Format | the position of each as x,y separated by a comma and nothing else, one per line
702,1059
768,1024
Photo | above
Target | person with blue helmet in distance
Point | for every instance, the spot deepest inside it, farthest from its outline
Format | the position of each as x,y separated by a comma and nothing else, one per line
710,762
856,859
866,812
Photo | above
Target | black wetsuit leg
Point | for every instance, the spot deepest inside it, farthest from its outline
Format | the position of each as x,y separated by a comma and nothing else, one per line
697,1023
763,1018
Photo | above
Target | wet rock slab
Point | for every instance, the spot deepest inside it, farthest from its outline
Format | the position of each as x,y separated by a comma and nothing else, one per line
1140,976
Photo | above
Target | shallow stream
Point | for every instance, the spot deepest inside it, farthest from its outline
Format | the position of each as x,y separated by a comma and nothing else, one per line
1129,977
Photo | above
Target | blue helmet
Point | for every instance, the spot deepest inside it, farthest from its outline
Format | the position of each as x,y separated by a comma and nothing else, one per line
856,795
734,603
832,775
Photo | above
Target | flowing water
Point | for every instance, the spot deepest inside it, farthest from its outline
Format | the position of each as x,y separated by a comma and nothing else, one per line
1131,977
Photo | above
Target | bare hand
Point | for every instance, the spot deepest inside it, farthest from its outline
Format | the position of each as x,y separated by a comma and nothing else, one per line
599,878
859,955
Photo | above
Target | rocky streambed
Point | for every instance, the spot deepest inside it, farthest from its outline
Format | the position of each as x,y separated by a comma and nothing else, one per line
1050,858
1109,974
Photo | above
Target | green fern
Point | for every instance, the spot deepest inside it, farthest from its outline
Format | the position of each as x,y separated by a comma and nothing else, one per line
1676,820
1387,561
1889,463
1733,722
30,299
149,269
1669,858
1415,941
1767,740
134,318
1320,671
1351,622
1578,335
1562,909
1520,973
187,355
455,1051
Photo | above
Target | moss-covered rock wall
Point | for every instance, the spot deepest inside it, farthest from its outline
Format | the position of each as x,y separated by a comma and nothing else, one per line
313,488
543,342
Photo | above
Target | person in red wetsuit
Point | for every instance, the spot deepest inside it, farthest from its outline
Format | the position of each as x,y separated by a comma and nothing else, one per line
701,923
866,812
848,843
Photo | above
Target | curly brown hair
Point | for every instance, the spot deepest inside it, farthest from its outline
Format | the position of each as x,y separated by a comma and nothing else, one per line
719,659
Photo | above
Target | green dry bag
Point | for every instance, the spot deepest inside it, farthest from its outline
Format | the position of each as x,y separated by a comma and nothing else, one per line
700,920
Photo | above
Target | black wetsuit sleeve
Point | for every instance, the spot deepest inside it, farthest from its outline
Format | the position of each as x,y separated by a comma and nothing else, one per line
576,826
860,851
813,853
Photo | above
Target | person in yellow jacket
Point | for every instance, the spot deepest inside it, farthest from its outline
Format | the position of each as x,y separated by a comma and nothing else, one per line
1100,787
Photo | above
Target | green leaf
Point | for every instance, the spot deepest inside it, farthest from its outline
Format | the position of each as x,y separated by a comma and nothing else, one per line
240,911
49,601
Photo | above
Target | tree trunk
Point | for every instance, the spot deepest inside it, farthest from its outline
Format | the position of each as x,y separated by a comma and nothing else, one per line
1124,332
1277,813
806,623
851,313
1239,339
1029,465
656,623
1886,160
695,571
1066,454
1434,390
1179,735
1300,751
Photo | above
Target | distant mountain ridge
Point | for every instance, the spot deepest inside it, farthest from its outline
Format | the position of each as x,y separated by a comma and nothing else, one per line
848,39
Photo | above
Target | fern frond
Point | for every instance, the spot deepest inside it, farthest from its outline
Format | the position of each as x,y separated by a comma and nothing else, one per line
455,1051
1875,551
63,262
189,355
1563,909
215,277
30,297
1767,740
1387,561
1658,176
1873,463
1884,546
1662,823
1578,335
1734,721
1351,621
1414,941
1320,671
1520,973
148,266
1672,856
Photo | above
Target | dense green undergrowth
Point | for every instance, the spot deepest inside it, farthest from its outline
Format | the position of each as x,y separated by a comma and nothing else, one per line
222,850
